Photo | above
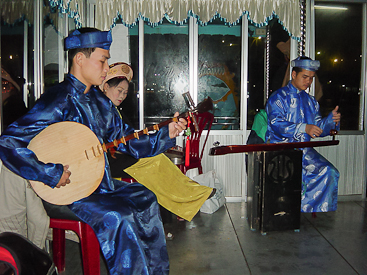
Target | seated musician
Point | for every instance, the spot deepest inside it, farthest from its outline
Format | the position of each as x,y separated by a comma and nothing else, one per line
294,116
258,129
21,210
175,192
124,216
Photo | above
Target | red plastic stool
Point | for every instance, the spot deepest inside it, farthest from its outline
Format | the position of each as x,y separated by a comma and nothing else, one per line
88,241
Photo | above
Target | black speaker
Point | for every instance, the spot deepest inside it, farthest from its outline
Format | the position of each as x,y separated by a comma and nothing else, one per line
274,190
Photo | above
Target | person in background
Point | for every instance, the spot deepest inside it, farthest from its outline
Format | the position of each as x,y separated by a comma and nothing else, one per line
124,216
12,101
294,116
175,192
21,210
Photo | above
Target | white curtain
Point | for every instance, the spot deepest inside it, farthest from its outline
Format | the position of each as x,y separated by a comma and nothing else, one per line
259,11
12,11
107,11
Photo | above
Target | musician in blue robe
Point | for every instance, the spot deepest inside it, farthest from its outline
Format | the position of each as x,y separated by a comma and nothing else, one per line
124,216
294,116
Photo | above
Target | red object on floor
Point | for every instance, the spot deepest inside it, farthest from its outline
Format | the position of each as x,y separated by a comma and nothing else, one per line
314,215
7,257
88,241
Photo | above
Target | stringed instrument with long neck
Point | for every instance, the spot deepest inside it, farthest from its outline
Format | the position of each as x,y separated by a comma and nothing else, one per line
204,106
84,154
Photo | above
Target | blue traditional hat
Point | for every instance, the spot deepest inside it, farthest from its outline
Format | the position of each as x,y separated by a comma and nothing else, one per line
96,39
307,64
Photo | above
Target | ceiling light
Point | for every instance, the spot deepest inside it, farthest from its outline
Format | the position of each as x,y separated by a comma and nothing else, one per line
319,7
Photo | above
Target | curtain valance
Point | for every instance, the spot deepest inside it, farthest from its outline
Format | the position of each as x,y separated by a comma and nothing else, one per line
258,11
15,10
153,11
12,11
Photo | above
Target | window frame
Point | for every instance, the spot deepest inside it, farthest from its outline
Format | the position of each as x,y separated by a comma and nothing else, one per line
311,48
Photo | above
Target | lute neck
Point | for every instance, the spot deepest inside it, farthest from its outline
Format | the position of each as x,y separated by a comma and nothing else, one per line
156,127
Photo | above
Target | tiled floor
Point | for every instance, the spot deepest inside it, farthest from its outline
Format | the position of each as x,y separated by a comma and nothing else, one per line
223,244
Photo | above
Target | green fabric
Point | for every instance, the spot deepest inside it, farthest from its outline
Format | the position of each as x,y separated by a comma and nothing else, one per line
260,124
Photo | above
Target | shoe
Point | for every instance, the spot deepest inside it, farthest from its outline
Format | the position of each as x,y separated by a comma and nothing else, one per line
212,193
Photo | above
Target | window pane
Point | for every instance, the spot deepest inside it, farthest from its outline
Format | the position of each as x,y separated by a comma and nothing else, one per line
220,72
51,57
279,53
166,71
14,97
256,72
338,47
130,106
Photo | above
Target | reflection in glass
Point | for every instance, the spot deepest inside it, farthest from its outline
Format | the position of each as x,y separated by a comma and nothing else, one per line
130,106
277,64
279,55
256,72
220,70
338,47
14,97
51,57
166,70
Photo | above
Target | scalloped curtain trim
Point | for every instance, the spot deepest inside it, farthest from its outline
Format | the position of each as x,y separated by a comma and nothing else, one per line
13,11
259,12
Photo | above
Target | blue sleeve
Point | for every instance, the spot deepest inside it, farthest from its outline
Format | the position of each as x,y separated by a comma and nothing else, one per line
326,124
277,108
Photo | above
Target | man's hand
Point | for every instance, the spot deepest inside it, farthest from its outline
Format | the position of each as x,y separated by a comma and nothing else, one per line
313,131
336,115
175,128
64,180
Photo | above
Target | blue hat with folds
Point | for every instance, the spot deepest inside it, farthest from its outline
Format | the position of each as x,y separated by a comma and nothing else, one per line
307,64
96,39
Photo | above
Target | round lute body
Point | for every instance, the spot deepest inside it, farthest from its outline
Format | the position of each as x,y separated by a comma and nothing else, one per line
74,144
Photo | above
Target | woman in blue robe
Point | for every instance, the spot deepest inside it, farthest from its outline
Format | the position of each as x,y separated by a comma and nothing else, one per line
124,216
294,116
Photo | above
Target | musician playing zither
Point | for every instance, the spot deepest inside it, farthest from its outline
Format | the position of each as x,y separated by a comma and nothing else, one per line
294,116
176,192
124,216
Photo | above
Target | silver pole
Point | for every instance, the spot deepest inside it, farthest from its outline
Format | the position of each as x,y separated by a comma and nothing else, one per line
1,95
38,56
141,73
267,66
301,50
25,64
193,58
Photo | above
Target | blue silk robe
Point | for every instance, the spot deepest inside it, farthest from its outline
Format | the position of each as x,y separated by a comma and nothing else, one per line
124,216
289,110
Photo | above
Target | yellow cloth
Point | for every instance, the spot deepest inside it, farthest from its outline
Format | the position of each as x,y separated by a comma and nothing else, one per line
175,192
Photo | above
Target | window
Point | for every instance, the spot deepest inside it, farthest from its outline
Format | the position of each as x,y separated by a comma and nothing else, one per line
272,55
52,51
339,49
130,106
14,61
256,72
219,61
166,70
